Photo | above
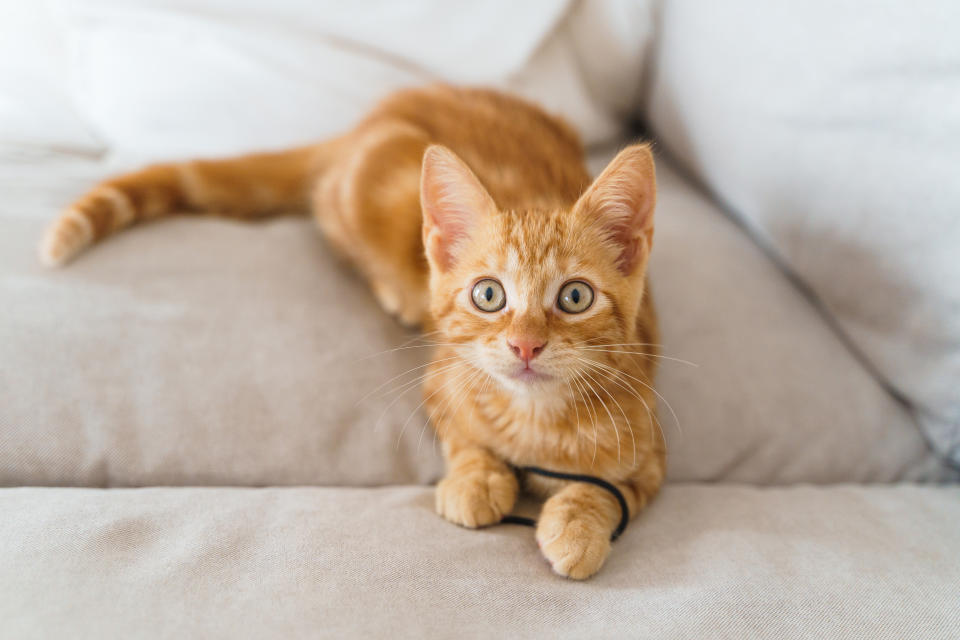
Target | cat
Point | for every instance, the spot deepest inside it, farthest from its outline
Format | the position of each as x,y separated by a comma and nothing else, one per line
471,214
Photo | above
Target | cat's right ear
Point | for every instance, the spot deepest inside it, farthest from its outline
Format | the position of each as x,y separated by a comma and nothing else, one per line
620,204
453,202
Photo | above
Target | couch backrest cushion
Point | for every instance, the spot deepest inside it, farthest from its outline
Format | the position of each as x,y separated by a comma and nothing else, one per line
832,130
143,79
209,352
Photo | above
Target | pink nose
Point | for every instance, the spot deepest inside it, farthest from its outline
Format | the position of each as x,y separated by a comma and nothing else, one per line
526,348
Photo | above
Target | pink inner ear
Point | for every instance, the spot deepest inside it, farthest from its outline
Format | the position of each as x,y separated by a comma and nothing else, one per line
447,212
629,255
621,201
453,201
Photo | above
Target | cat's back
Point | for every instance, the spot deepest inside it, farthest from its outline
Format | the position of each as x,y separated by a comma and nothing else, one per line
367,202
522,154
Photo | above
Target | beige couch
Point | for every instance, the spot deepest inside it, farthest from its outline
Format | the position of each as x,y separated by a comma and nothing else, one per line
208,429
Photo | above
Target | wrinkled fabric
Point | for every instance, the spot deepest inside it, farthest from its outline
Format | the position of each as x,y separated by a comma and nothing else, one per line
832,130
218,77
198,351
703,562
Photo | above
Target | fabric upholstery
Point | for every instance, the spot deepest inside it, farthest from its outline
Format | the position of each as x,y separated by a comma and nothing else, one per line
206,352
201,351
833,131
214,77
704,562
777,397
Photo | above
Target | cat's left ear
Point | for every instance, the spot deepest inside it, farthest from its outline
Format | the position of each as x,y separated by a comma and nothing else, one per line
453,202
620,202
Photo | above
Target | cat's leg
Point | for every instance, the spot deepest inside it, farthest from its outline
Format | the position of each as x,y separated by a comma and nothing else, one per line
576,523
368,207
574,529
478,490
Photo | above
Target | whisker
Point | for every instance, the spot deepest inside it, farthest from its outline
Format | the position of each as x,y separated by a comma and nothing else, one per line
438,422
419,336
658,394
405,386
592,392
633,438
590,341
638,353
652,345
404,348
447,402
578,381
487,380
645,356
408,371
603,404
409,386
458,377
575,408
469,385
651,415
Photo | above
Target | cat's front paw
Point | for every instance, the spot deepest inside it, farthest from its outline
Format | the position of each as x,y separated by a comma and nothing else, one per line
477,498
576,547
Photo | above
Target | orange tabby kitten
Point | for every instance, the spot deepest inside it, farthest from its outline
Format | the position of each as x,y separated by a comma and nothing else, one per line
471,213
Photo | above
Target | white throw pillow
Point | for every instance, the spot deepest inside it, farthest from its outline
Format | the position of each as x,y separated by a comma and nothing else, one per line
36,112
832,130
166,78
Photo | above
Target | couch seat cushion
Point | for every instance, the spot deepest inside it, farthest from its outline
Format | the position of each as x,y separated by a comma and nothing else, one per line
703,562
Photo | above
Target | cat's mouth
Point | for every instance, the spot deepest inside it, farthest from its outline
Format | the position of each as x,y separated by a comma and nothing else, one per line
529,374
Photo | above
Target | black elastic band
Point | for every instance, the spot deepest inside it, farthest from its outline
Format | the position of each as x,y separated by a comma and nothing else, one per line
527,522
575,477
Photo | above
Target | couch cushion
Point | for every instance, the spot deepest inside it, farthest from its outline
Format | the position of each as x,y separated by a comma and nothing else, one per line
225,76
703,562
201,351
776,396
197,351
833,131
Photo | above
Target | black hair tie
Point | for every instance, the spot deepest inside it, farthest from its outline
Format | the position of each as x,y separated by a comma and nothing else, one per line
575,477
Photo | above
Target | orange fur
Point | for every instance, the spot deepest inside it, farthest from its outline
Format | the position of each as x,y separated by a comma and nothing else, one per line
436,189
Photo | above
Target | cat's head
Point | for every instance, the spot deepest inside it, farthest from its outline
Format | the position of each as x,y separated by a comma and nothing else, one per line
525,293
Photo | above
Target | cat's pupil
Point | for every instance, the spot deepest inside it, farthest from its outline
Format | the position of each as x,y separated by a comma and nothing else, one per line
575,296
488,294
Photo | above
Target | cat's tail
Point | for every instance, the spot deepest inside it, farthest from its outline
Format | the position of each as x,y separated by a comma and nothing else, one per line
245,187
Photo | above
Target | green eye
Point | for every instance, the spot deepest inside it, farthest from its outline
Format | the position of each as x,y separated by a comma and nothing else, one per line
575,297
488,295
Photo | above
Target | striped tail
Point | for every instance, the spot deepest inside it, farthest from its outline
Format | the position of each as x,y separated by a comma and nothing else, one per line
244,187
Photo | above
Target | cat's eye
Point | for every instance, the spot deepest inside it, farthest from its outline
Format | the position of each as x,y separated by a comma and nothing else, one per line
488,295
575,297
